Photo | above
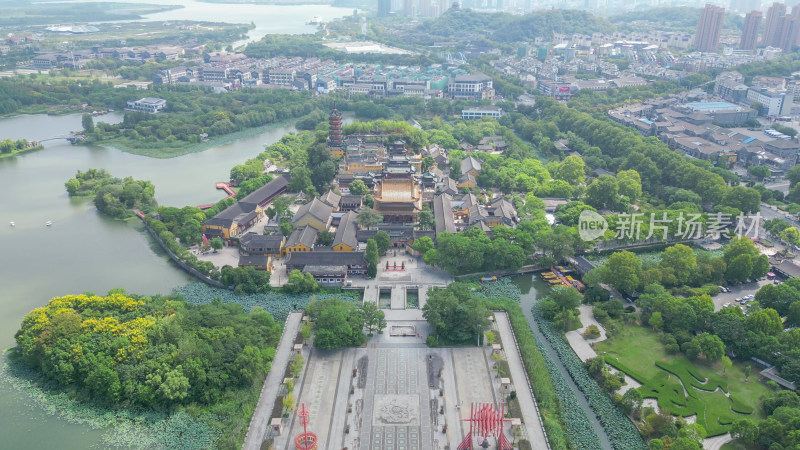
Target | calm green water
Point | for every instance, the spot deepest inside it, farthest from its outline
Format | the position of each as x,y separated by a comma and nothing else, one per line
83,251
533,288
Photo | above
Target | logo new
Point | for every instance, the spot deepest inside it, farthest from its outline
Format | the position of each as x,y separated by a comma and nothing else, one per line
591,225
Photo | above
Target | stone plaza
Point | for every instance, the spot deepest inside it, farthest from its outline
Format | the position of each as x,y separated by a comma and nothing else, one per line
397,393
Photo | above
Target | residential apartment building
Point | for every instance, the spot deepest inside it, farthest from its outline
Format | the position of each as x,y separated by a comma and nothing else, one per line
476,86
775,103
709,28
752,24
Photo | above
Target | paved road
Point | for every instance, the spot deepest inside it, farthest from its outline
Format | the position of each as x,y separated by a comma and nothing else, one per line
767,212
716,442
530,414
260,420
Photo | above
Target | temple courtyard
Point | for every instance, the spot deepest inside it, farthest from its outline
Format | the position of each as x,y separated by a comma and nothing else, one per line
397,393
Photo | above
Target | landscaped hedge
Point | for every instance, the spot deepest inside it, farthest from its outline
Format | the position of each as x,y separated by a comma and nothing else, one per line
622,367
620,430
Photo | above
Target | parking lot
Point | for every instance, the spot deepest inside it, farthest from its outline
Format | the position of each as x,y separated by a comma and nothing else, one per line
737,291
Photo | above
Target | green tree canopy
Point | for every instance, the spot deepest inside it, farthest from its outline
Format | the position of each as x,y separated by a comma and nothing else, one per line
623,271
336,324
455,314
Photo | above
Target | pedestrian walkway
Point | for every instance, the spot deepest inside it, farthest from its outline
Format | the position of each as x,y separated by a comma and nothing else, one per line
583,347
398,299
530,412
260,420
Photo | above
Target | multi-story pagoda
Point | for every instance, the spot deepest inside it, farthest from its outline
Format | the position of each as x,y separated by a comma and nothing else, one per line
336,143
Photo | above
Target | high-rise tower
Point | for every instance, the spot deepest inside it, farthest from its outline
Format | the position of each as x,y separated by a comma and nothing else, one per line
384,8
772,26
709,28
752,23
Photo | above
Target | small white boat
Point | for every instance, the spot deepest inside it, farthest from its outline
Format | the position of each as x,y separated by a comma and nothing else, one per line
316,20
48,223
12,224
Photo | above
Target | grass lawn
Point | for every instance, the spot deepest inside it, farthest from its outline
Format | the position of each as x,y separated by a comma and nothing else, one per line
680,386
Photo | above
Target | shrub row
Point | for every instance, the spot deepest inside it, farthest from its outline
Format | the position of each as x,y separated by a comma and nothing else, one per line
561,414
613,362
620,430
169,239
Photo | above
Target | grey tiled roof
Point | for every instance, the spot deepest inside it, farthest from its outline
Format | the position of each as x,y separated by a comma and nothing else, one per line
306,235
326,258
470,163
443,213
316,208
346,232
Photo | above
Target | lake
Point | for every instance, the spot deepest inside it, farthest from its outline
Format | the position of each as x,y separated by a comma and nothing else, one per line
268,19
82,250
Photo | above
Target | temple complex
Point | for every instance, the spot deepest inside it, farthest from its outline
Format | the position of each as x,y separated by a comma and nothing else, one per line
399,195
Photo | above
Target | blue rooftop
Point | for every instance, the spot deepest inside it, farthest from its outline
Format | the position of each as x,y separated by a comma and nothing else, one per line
649,122
712,106
748,140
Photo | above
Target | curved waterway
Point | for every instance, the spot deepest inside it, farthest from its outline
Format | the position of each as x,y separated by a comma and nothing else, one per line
82,250
532,288
268,19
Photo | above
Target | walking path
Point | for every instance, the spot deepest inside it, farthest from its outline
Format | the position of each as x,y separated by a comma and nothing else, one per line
530,412
583,347
716,442
258,424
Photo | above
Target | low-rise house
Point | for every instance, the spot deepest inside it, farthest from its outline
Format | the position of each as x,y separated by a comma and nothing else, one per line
467,180
498,212
331,199
449,186
355,262
333,275
233,220
496,142
471,165
477,112
301,240
261,244
259,262
350,202
345,238
265,194
443,214
315,213
237,218
150,105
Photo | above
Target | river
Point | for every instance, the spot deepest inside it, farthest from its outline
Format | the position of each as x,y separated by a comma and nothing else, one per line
533,288
82,250
268,19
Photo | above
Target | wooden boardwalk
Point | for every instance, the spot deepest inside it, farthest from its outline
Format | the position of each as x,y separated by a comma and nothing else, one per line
225,187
